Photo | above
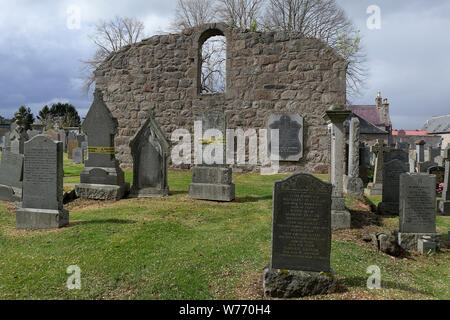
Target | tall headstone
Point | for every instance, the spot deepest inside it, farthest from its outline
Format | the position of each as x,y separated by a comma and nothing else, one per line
444,204
417,209
364,163
11,176
376,187
290,128
353,184
211,177
101,178
150,150
391,186
340,217
420,151
301,238
42,206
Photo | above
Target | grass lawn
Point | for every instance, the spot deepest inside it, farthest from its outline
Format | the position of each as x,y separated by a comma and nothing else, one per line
178,248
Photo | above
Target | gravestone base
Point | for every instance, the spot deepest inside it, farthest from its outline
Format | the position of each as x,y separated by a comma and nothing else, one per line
10,194
296,284
149,193
409,241
388,208
340,219
353,186
425,246
37,219
104,176
102,191
213,192
374,189
444,207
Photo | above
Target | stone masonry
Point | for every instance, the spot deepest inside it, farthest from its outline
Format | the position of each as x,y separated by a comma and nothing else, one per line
266,72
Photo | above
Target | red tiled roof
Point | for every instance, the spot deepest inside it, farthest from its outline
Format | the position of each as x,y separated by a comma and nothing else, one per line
368,113
411,132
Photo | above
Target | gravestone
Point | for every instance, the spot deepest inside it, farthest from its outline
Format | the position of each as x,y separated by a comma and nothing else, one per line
101,178
17,139
376,187
150,150
43,174
72,144
211,177
412,165
81,138
290,128
425,166
77,156
11,176
420,151
364,153
391,187
444,204
353,184
340,216
402,146
417,209
301,238
398,154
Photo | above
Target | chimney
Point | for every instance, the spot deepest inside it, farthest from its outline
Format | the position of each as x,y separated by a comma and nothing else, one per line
386,116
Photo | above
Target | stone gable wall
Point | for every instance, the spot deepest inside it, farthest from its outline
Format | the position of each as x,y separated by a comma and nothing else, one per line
266,73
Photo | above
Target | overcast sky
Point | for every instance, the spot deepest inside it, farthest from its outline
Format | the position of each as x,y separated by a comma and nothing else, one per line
408,58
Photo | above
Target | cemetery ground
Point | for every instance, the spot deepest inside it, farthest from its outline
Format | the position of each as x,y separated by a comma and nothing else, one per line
179,248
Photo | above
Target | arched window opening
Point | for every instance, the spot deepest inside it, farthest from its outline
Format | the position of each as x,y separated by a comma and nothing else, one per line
213,65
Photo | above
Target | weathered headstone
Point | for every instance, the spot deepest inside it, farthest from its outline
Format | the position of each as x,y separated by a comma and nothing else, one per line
423,167
77,156
72,144
211,177
11,176
391,186
101,178
353,184
417,209
340,216
301,238
420,151
17,138
42,206
150,150
290,128
444,204
376,187
364,153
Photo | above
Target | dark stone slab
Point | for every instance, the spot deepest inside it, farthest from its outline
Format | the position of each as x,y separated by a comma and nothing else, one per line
301,224
425,166
417,203
290,128
394,154
11,169
391,186
150,150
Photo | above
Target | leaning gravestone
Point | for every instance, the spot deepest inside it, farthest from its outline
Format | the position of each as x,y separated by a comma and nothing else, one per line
11,174
42,206
101,178
290,128
212,178
417,209
77,156
391,179
301,238
150,150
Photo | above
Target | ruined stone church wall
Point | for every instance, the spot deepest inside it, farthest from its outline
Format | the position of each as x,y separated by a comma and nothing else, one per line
267,72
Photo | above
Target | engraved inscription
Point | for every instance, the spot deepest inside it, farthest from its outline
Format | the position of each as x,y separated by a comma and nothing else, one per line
40,166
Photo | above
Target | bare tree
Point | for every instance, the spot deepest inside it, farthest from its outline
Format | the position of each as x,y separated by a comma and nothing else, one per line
244,14
109,37
213,65
325,20
192,13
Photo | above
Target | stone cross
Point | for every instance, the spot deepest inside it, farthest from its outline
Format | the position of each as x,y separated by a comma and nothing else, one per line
379,149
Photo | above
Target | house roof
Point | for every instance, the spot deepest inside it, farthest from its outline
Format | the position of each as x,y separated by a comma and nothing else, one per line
437,125
368,113
365,126
410,132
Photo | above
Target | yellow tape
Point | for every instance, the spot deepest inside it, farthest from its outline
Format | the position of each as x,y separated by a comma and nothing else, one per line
213,141
101,150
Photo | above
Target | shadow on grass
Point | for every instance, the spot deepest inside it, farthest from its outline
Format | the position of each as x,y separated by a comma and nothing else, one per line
361,219
174,193
360,282
252,199
103,221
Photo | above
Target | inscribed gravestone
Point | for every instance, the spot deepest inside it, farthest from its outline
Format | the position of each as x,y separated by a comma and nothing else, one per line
150,150
290,128
42,206
391,186
301,225
417,203
102,178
